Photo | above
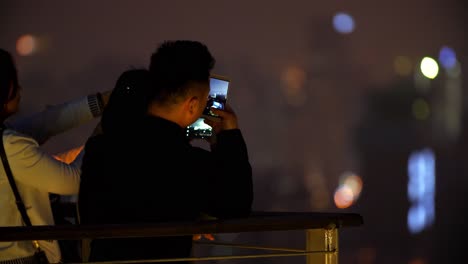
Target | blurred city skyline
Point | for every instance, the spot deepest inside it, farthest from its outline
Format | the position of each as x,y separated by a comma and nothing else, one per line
301,85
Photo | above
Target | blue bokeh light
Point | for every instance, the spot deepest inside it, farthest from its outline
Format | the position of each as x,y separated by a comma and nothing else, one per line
343,23
416,219
447,57
421,190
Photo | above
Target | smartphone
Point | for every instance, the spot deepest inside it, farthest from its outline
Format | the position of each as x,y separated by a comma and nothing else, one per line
217,97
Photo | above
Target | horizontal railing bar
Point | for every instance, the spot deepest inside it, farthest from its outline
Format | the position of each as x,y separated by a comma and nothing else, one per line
272,255
258,222
235,245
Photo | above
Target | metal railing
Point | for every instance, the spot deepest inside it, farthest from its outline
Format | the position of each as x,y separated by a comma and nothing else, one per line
321,233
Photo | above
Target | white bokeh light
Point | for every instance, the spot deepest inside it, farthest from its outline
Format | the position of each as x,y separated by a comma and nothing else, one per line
429,67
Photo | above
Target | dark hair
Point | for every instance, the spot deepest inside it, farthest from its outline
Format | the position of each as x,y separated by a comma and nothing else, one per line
175,64
8,76
128,101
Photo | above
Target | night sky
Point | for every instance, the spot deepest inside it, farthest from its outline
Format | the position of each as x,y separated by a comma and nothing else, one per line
299,87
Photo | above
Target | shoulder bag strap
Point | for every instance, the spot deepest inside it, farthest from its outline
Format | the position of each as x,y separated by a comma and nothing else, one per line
6,166
14,188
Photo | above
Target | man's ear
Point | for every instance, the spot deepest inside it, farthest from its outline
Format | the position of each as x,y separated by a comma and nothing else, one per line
193,103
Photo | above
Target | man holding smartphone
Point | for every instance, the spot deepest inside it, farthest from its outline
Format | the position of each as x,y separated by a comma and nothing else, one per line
219,86
172,181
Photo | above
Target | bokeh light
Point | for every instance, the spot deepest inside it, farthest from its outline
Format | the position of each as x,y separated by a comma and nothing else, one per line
354,182
429,67
343,23
26,45
421,190
447,57
421,109
343,197
293,80
402,66
348,191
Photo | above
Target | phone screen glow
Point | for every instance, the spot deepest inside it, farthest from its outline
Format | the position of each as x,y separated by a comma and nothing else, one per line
216,99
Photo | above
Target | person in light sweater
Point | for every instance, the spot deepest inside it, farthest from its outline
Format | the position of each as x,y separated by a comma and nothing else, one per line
36,173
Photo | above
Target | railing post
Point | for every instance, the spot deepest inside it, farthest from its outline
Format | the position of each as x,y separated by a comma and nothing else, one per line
322,240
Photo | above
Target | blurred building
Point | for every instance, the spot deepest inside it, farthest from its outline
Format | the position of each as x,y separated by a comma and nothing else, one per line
410,141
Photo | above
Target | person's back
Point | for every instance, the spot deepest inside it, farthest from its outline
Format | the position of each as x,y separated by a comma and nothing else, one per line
34,172
131,187
150,173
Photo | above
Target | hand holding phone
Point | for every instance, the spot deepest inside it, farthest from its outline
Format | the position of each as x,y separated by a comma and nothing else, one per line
217,97
219,86
227,119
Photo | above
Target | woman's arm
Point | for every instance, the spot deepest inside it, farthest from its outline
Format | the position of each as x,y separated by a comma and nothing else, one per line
59,118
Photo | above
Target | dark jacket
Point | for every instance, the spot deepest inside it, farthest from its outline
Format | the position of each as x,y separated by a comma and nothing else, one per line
151,173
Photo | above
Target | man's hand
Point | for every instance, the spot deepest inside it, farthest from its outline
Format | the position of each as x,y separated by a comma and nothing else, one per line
228,119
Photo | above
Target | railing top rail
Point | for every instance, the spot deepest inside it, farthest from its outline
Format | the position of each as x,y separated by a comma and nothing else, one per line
257,222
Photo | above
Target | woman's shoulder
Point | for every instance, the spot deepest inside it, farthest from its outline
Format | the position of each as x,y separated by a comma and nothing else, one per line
17,144
14,138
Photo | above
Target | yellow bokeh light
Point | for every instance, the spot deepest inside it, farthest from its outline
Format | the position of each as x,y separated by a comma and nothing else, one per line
402,65
421,109
26,45
429,67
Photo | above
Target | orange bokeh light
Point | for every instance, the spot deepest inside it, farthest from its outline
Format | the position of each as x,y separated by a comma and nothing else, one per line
26,45
344,197
293,79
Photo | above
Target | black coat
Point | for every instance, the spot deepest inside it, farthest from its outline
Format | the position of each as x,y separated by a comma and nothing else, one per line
150,173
